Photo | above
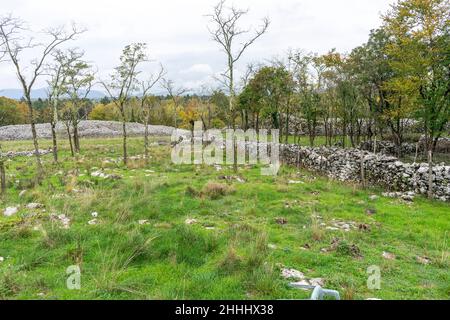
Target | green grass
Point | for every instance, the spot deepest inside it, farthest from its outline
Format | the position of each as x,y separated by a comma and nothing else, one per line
226,254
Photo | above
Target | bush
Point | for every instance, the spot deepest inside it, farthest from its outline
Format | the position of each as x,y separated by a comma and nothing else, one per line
215,190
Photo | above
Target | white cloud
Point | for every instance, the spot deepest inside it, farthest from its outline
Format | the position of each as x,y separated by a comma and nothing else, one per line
176,30
198,69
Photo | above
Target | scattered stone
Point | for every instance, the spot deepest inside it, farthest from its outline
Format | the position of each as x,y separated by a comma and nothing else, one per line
423,260
406,196
190,221
272,246
231,178
307,284
10,211
388,255
281,221
295,182
13,154
100,174
338,225
61,218
373,197
317,282
34,206
2,259
143,222
371,212
292,274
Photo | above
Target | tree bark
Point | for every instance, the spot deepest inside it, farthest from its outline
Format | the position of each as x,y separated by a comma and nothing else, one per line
76,137
125,154
430,173
146,153
40,170
54,141
286,140
2,177
70,139
257,122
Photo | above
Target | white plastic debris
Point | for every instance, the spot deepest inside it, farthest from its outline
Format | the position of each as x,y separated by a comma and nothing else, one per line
93,222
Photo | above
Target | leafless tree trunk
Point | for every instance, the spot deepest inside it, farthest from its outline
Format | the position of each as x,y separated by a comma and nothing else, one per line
124,131
58,73
13,45
69,135
123,83
2,174
146,144
430,173
54,142
145,111
175,95
225,32
76,138
2,177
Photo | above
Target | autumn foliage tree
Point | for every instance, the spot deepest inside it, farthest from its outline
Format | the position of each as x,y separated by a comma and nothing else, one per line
420,55
123,83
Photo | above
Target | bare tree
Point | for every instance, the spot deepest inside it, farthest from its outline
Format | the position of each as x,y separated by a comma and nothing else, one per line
66,117
245,79
80,77
2,173
124,82
2,167
226,32
146,103
175,94
13,44
57,88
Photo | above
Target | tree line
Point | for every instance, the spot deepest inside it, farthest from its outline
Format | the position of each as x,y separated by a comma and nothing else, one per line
401,73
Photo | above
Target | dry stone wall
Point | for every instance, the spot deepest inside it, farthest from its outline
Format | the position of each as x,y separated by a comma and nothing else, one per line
382,170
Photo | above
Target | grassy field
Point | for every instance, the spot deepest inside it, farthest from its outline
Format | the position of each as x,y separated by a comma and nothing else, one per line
240,233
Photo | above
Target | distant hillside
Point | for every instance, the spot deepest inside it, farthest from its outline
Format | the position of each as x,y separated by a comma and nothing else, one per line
41,93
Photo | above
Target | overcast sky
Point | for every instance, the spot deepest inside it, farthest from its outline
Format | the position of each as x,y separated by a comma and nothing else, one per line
177,35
